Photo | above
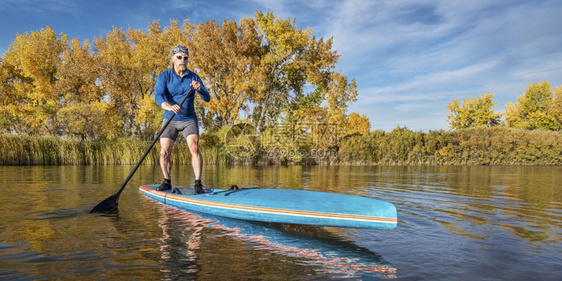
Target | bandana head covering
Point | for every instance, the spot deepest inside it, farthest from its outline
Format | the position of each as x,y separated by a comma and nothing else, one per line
180,49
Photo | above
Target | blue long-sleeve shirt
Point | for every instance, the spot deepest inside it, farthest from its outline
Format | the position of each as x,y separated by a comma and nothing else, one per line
171,88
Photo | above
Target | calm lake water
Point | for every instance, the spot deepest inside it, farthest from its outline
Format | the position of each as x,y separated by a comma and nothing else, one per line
455,223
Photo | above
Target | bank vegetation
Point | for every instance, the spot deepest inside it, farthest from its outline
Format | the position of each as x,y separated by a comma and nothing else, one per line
401,146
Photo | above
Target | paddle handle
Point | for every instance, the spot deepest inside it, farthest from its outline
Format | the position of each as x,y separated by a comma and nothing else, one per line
191,92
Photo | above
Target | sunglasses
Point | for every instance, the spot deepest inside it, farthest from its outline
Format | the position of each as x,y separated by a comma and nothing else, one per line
181,57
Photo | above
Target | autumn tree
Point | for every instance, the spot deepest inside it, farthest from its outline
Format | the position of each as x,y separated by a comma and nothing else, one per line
264,70
30,69
340,93
82,113
224,56
358,124
290,59
130,62
533,109
115,59
150,56
10,120
473,112
556,106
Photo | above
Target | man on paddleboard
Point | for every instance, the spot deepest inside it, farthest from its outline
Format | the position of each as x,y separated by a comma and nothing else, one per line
171,87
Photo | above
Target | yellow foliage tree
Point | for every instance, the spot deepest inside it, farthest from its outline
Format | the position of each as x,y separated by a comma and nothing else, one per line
289,58
131,61
473,112
78,74
224,55
115,58
533,109
33,60
262,67
83,113
556,106
10,115
86,120
149,56
357,124
339,95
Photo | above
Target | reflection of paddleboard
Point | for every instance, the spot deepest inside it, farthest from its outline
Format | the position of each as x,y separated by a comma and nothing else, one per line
283,206
335,255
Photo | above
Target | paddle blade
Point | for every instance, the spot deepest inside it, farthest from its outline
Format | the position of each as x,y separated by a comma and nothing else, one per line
107,205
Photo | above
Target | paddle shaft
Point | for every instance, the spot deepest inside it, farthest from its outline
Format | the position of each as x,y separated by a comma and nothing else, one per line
115,196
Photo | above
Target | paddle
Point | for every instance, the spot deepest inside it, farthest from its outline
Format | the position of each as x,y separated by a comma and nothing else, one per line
111,203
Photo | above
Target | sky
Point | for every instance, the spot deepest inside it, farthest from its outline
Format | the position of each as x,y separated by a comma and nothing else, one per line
410,58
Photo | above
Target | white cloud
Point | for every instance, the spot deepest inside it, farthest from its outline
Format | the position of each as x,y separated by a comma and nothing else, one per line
407,54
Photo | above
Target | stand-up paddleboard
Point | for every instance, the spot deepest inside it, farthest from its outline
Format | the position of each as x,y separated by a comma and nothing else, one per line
283,206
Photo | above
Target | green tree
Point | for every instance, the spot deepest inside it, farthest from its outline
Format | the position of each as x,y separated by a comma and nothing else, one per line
473,112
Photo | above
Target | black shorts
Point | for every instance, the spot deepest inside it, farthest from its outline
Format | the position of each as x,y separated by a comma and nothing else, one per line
186,127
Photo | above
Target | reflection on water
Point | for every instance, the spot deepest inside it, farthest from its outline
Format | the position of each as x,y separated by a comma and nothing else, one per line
303,250
455,223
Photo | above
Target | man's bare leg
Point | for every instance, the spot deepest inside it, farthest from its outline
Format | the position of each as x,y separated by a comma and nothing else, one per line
196,161
196,158
166,145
